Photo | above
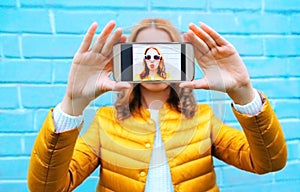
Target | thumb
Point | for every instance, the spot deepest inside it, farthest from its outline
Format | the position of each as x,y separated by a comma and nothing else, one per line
195,84
118,86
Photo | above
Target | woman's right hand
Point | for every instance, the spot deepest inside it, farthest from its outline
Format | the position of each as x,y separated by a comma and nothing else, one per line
91,68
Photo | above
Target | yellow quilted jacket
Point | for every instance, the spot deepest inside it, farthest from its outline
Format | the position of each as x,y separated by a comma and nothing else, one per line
61,161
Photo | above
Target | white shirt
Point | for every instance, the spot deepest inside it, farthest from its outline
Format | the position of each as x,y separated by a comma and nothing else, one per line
159,176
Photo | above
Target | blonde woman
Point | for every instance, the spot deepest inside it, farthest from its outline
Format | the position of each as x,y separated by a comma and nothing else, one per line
155,137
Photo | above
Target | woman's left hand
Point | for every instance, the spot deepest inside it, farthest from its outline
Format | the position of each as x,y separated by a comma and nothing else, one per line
221,64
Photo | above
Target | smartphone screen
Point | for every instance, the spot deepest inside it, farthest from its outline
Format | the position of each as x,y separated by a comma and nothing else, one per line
153,62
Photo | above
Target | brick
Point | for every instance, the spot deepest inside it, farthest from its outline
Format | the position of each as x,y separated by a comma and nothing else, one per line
79,21
235,125
106,99
233,176
285,186
198,71
41,96
293,150
201,95
260,24
219,163
1,47
10,145
218,171
181,4
39,118
287,109
282,46
16,121
258,187
290,129
294,67
240,23
46,46
280,5
13,186
8,97
267,67
21,21
228,114
289,172
13,168
228,19
247,46
8,3
168,15
11,46
61,71
89,114
220,105
96,173
235,5
32,3
98,4
28,71
13,145
89,184
28,144
294,23
127,20
276,88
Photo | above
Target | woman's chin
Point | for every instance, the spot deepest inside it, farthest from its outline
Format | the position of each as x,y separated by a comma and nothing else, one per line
155,86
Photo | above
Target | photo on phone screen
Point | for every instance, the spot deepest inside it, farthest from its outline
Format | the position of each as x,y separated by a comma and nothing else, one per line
153,62
156,62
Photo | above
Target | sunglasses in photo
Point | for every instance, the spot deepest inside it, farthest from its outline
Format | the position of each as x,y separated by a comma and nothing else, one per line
155,57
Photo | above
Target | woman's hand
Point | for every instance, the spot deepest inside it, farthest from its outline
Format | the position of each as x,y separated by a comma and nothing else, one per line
91,68
221,64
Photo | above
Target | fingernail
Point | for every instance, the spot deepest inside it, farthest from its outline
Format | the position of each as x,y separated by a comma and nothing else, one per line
119,29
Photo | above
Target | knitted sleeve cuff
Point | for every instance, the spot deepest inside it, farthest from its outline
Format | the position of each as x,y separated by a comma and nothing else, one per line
64,122
252,108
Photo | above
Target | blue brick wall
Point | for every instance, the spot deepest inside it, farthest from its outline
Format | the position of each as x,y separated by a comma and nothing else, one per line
39,37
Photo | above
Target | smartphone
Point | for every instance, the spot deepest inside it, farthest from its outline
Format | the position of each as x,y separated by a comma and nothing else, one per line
139,62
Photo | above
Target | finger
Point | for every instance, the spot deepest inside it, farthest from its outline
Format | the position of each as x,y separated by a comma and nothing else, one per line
116,86
197,42
121,86
195,84
214,35
123,39
105,84
108,65
186,38
203,35
108,46
88,37
100,41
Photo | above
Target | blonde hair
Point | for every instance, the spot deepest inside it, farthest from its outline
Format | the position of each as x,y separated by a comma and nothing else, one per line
181,99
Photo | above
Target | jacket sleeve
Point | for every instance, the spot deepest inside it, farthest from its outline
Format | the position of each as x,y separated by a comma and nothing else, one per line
260,148
60,161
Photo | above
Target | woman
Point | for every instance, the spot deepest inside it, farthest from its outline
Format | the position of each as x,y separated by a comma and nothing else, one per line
154,66
155,138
